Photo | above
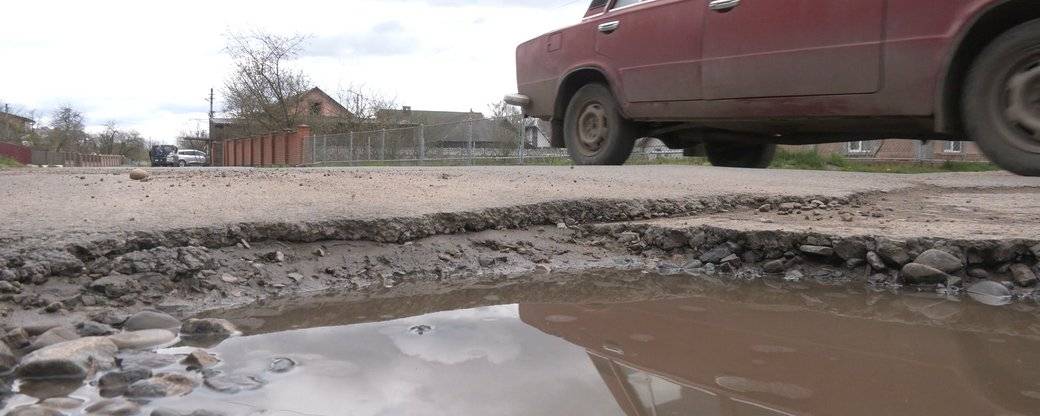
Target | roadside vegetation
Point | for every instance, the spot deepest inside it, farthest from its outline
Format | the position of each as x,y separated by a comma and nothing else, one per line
6,162
809,160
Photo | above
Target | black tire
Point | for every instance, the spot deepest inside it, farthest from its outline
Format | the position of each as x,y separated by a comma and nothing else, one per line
595,132
182,164
739,155
1006,128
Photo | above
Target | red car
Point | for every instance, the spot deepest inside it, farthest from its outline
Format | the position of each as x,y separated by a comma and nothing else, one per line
741,76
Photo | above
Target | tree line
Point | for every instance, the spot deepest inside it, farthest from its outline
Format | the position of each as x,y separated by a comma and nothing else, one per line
66,132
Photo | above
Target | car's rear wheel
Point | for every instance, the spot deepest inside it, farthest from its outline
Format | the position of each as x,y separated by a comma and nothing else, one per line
182,163
1002,100
740,155
595,132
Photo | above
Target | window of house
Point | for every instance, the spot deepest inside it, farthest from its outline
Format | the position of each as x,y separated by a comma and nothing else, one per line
315,109
953,147
858,146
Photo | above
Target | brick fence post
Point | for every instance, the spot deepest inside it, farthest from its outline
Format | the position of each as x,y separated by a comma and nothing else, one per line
294,151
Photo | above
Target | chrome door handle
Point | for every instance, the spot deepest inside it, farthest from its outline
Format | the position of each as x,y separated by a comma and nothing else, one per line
723,5
609,27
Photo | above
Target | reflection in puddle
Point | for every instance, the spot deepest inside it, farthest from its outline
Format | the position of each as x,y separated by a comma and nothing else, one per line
706,351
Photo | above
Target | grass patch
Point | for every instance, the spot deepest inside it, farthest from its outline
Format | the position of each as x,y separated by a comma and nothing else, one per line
809,160
6,162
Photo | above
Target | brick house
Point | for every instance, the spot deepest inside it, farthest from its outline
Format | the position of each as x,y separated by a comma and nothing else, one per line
13,127
900,150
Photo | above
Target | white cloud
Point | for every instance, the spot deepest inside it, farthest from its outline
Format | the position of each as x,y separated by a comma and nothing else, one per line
149,65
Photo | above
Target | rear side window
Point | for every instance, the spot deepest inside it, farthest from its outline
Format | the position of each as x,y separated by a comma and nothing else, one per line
596,7
626,3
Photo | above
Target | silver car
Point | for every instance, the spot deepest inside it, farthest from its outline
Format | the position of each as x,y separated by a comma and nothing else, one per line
188,157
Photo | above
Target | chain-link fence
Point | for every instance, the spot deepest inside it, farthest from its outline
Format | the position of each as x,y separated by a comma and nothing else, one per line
479,141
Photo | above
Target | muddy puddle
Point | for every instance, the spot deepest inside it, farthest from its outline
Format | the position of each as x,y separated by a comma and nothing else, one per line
622,344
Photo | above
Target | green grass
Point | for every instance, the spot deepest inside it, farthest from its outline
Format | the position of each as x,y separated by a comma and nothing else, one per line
809,160
6,162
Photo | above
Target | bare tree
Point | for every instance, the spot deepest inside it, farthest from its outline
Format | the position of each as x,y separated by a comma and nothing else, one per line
196,138
66,131
364,104
264,86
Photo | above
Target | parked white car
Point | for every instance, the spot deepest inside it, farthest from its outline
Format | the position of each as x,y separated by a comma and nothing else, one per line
188,157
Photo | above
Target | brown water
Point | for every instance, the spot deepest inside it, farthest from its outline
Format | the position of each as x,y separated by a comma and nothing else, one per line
596,348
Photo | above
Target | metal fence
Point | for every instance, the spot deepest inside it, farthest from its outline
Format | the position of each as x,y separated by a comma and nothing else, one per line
481,141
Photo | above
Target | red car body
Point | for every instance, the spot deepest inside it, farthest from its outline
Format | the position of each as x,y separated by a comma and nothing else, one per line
804,71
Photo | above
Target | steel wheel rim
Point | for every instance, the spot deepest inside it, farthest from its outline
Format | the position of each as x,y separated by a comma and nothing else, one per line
1021,103
593,129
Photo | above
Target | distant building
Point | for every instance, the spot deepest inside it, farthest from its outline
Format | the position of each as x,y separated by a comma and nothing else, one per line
901,150
408,117
314,106
13,127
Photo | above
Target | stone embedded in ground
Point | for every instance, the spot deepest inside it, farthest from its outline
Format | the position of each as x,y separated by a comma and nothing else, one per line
920,274
163,385
227,278
893,253
1023,274
151,320
144,359
34,410
716,254
233,383
136,340
281,365
7,359
200,359
115,286
208,327
16,338
851,249
693,264
114,407
979,273
821,251
53,336
275,256
793,275
941,260
8,287
168,412
627,237
774,266
116,383
110,317
71,359
94,329
875,262
296,277
139,174
62,403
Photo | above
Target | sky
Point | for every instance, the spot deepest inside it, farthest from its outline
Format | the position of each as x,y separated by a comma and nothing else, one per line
149,66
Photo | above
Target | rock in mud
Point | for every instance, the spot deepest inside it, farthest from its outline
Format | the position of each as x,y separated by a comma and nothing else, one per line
163,385
628,237
919,274
136,340
851,249
110,317
139,174
7,359
233,383
208,327
74,359
1024,276
940,260
199,360
94,329
8,287
62,403
281,365
34,410
820,251
151,320
114,407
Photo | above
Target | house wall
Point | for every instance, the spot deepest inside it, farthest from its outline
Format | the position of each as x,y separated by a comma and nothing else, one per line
897,149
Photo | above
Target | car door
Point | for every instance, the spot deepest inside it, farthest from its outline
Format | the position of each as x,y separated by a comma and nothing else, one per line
653,47
782,48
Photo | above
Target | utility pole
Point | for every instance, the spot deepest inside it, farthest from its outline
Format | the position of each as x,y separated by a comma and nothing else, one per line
211,104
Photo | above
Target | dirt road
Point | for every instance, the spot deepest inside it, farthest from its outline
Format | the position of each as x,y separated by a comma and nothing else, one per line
56,205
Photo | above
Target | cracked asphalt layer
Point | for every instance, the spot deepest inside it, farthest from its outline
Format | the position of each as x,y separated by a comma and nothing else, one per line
49,204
